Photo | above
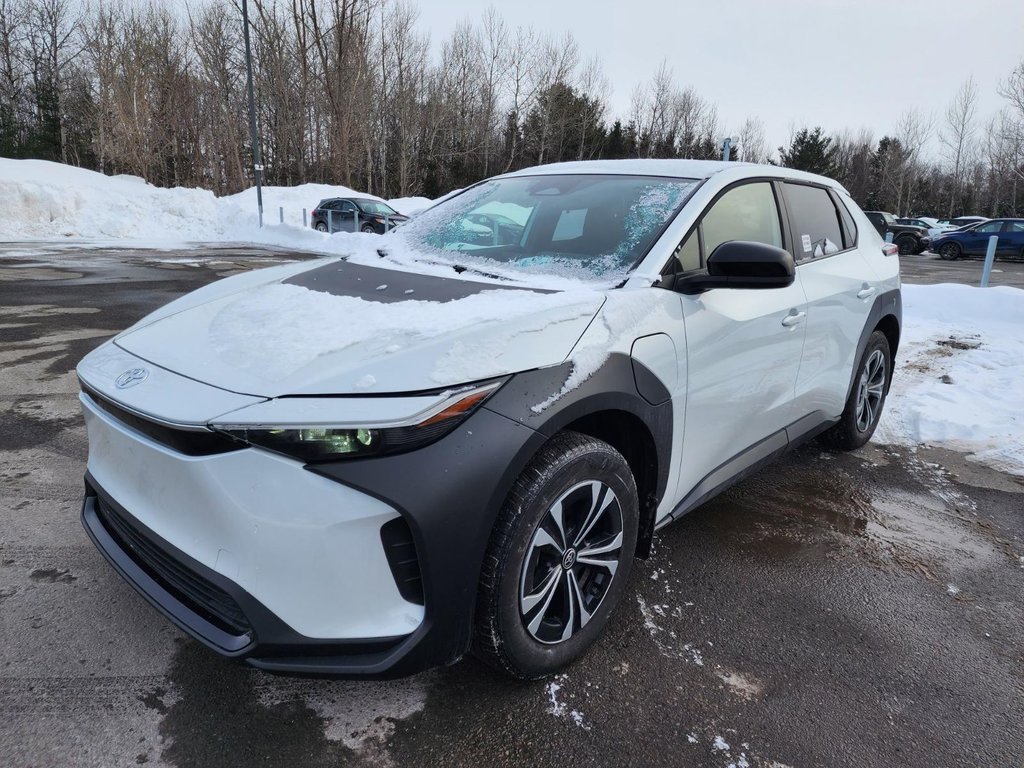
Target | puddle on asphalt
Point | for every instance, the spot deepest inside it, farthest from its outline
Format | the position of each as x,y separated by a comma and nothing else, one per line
816,505
216,712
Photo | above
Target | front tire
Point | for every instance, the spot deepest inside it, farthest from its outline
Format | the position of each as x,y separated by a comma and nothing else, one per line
867,396
368,229
558,559
950,251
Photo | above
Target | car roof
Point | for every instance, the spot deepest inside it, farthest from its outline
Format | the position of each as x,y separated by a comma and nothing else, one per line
682,169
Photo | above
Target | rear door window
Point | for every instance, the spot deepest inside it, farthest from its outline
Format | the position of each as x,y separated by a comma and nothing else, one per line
815,221
989,228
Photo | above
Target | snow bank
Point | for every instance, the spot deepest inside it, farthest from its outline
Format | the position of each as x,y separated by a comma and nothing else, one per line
959,378
45,200
410,205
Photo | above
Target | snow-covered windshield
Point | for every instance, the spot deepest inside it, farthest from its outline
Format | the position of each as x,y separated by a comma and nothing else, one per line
577,226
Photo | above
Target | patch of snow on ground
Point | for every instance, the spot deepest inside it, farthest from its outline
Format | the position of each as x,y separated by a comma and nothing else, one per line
958,375
560,709
46,200
557,708
666,641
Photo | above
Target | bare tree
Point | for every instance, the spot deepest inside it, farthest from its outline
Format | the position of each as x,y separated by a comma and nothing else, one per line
913,132
958,136
753,143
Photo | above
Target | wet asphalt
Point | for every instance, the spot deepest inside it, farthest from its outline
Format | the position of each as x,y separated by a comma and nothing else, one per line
859,609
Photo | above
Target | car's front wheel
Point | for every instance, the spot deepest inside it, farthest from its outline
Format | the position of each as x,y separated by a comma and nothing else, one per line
558,558
867,396
368,229
950,251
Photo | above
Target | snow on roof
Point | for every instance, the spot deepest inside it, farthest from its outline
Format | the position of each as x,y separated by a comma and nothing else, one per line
684,169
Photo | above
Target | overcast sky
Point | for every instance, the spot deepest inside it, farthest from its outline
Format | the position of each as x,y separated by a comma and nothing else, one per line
835,63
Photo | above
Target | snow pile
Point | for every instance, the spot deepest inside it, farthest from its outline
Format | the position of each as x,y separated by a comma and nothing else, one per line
959,378
45,200
410,205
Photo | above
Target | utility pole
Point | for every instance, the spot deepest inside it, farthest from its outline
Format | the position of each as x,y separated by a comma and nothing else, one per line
257,161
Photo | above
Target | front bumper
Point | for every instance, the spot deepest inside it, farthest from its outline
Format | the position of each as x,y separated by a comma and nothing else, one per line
284,566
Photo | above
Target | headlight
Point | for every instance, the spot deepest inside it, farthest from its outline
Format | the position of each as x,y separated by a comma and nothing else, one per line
329,443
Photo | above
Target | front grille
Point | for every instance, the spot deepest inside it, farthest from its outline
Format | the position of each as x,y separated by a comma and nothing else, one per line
188,442
199,594
400,550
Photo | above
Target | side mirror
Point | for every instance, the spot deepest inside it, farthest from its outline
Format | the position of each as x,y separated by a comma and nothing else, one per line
742,264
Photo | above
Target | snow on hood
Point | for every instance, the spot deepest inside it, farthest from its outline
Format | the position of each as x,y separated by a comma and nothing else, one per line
279,338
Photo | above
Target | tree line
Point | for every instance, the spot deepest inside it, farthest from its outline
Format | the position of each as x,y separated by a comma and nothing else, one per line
355,92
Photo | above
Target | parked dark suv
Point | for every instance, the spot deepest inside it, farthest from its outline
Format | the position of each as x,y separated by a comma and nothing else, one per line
907,237
355,214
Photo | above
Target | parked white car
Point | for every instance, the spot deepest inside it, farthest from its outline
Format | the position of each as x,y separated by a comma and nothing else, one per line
935,229
445,442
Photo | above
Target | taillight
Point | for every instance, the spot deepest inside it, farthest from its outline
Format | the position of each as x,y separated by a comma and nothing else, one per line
890,249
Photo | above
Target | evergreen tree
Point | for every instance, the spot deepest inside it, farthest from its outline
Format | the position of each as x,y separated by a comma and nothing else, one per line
811,151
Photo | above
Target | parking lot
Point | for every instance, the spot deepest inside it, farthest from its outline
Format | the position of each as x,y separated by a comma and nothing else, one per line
855,609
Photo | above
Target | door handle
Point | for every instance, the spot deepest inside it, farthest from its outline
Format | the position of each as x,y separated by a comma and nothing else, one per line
793,318
866,293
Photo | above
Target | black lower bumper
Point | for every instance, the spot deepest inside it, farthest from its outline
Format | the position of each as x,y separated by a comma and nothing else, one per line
226,618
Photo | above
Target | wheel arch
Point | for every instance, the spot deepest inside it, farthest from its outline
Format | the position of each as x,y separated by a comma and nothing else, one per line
629,435
886,315
606,406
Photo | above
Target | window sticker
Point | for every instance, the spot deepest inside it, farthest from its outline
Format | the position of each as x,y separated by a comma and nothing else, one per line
805,240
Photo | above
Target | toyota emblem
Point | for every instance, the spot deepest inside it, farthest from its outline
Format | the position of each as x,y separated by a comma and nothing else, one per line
131,377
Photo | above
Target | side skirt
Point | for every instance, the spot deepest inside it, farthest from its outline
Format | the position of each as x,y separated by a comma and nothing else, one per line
749,461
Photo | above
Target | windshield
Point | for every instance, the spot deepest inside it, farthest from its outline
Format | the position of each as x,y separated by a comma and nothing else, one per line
581,226
377,207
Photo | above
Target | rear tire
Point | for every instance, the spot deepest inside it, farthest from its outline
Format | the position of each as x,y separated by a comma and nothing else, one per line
867,396
321,227
950,251
558,559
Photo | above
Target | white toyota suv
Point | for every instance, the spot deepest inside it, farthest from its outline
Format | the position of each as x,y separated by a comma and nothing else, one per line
459,435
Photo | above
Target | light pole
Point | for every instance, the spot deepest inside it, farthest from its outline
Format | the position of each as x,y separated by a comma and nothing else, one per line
257,161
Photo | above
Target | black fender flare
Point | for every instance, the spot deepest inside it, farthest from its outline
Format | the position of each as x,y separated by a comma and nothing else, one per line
542,401
887,304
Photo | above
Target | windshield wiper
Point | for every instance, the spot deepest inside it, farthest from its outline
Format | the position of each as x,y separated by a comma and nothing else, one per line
460,268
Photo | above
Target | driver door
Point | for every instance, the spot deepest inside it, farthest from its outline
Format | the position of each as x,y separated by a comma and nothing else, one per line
743,347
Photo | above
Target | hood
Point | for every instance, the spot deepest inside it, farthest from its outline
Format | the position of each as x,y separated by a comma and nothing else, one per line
343,328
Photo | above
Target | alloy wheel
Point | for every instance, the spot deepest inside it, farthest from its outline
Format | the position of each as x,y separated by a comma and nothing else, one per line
570,562
950,251
870,390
